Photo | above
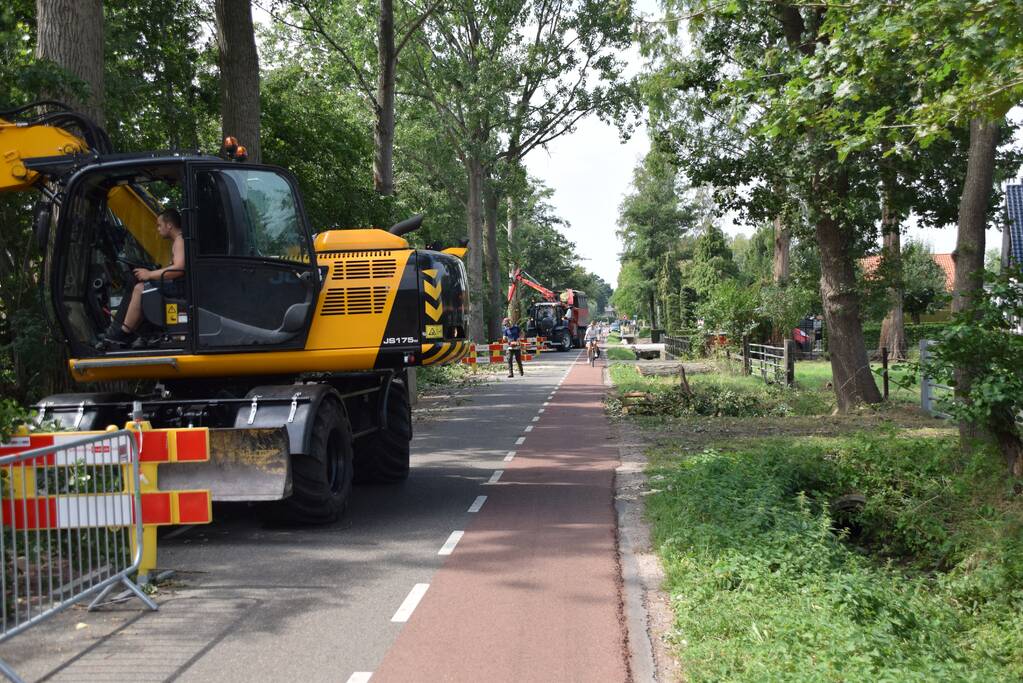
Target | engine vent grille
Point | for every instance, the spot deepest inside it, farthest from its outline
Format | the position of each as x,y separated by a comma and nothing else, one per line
361,269
354,300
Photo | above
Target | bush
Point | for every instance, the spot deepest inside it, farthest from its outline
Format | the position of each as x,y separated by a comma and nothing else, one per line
429,377
12,416
914,333
714,396
619,353
769,584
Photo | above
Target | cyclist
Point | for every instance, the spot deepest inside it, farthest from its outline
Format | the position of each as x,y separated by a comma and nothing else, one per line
592,349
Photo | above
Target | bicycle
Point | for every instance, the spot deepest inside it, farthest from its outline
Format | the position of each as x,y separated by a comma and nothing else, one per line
592,351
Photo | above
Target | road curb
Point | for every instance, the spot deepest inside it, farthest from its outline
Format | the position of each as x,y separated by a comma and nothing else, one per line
648,615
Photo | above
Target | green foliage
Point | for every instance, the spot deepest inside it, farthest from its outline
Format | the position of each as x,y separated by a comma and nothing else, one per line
713,395
711,264
921,280
12,416
320,136
733,309
22,76
431,378
754,256
770,582
619,353
161,76
914,332
783,308
982,341
631,297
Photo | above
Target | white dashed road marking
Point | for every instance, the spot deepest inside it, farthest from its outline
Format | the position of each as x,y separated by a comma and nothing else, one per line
519,441
508,458
537,418
477,504
410,603
529,428
360,677
449,545
495,476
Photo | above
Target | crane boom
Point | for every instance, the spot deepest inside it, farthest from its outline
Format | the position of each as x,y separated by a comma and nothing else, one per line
518,276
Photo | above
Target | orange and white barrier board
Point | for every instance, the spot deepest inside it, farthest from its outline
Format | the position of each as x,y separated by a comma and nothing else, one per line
25,509
497,352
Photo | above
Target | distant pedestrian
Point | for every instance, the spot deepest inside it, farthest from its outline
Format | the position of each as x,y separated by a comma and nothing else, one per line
512,334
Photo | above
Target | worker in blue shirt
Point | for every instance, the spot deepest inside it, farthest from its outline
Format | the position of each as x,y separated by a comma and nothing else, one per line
512,334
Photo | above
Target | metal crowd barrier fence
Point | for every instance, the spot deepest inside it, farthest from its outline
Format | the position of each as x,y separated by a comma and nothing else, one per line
72,527
932,393
769,361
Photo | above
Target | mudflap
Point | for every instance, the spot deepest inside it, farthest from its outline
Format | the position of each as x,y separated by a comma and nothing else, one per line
244,465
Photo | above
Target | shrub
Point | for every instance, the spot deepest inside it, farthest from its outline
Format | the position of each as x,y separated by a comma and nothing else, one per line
768,584
619,353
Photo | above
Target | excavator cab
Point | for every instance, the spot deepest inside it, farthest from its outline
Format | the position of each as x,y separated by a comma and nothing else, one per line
250,275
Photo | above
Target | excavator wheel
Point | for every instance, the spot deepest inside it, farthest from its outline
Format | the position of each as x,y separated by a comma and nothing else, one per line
321,480
383,456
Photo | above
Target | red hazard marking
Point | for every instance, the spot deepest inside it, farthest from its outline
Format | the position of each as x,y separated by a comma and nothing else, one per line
154,447
194,507
21,444
31,513
156,508
192,446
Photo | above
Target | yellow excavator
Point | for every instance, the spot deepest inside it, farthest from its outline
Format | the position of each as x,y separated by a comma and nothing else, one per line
294,347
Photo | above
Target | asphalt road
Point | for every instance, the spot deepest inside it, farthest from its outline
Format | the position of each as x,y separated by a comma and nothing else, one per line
249,603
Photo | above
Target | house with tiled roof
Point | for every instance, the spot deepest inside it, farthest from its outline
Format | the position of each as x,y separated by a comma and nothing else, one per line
869,265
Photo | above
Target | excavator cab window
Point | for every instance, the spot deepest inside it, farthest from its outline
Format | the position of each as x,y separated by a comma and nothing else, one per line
254,280
107,227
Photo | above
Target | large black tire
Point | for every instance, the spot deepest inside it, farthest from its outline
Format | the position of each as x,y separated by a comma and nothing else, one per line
565,343
321,481
383,456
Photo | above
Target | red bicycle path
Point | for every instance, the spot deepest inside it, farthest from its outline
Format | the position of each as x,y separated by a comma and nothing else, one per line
532,590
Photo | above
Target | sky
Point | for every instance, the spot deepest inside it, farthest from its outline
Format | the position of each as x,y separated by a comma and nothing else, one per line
590,171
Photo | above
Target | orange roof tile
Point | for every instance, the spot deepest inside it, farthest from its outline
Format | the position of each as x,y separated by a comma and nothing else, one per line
869,264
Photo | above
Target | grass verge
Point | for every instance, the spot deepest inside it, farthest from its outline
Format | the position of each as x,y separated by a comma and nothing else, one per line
716,394
619,353
772,578
431,378
800,546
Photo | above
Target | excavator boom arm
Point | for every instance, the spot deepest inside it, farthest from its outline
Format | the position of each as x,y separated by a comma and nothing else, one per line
23,142
518,277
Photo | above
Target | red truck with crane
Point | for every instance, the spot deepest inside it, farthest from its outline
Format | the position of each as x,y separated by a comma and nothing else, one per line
561,317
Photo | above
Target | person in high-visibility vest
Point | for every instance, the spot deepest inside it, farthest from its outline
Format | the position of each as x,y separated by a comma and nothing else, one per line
512,333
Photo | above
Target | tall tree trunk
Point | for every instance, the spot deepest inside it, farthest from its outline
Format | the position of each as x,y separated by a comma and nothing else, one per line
850,370
494,279
513,252
893,329
477,326
383,132
969,252
782,244
70,33
239,74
